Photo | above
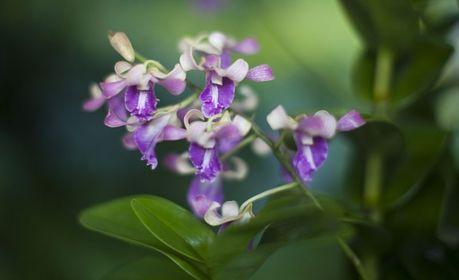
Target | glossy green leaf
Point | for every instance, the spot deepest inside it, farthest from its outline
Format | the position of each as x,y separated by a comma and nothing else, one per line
174,226
148,268
117,219
392,23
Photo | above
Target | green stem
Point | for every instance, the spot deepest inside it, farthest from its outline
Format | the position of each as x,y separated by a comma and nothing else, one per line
353,257
375,165
140,57
268,193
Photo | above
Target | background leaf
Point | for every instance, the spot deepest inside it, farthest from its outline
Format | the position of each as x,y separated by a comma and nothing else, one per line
390,23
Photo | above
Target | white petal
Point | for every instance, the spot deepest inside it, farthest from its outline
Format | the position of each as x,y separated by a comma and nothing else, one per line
278,119
236,71
193,113
239,172
121,67
218,40
260,148
242,124
230,209
329,124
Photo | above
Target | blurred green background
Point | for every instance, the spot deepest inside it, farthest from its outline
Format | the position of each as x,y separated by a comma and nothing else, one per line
56,160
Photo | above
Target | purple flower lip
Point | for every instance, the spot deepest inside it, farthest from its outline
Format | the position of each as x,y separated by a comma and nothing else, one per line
202,194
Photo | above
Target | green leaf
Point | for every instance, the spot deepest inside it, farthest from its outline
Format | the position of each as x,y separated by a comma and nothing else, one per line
391,23
419,69
148,268
415,71
117,219
174,226
423,146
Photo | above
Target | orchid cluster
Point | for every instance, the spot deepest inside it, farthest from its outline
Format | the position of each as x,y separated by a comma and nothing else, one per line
211,120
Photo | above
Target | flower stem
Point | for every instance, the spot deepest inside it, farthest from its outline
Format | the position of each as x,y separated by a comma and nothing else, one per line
268,193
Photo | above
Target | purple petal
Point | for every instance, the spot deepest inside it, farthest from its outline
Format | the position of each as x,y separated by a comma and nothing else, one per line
174,81
110,89
228,137
147,136
202,194
129,142
173,133
309,158
225,59
141,103
117,114
216,98
260,73
286,177
247,46
93,104
206,162
350,121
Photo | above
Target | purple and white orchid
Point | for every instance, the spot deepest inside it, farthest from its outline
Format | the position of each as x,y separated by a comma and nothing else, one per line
311,134
211,138
222,74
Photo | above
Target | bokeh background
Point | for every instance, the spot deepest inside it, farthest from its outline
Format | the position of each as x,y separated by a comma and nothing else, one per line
56,160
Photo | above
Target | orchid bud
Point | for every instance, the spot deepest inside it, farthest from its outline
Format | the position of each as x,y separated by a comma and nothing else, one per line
120,42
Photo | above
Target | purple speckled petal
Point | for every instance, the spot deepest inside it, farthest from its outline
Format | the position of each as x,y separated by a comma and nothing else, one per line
247,46
110,89
202,194
206,162
216,98
141,103
147,136
227,137
260,73
309,158
117,114
350,121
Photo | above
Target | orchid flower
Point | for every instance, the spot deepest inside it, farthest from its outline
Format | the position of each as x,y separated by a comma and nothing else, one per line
311,134
162,127
135,83
221,75
210,138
